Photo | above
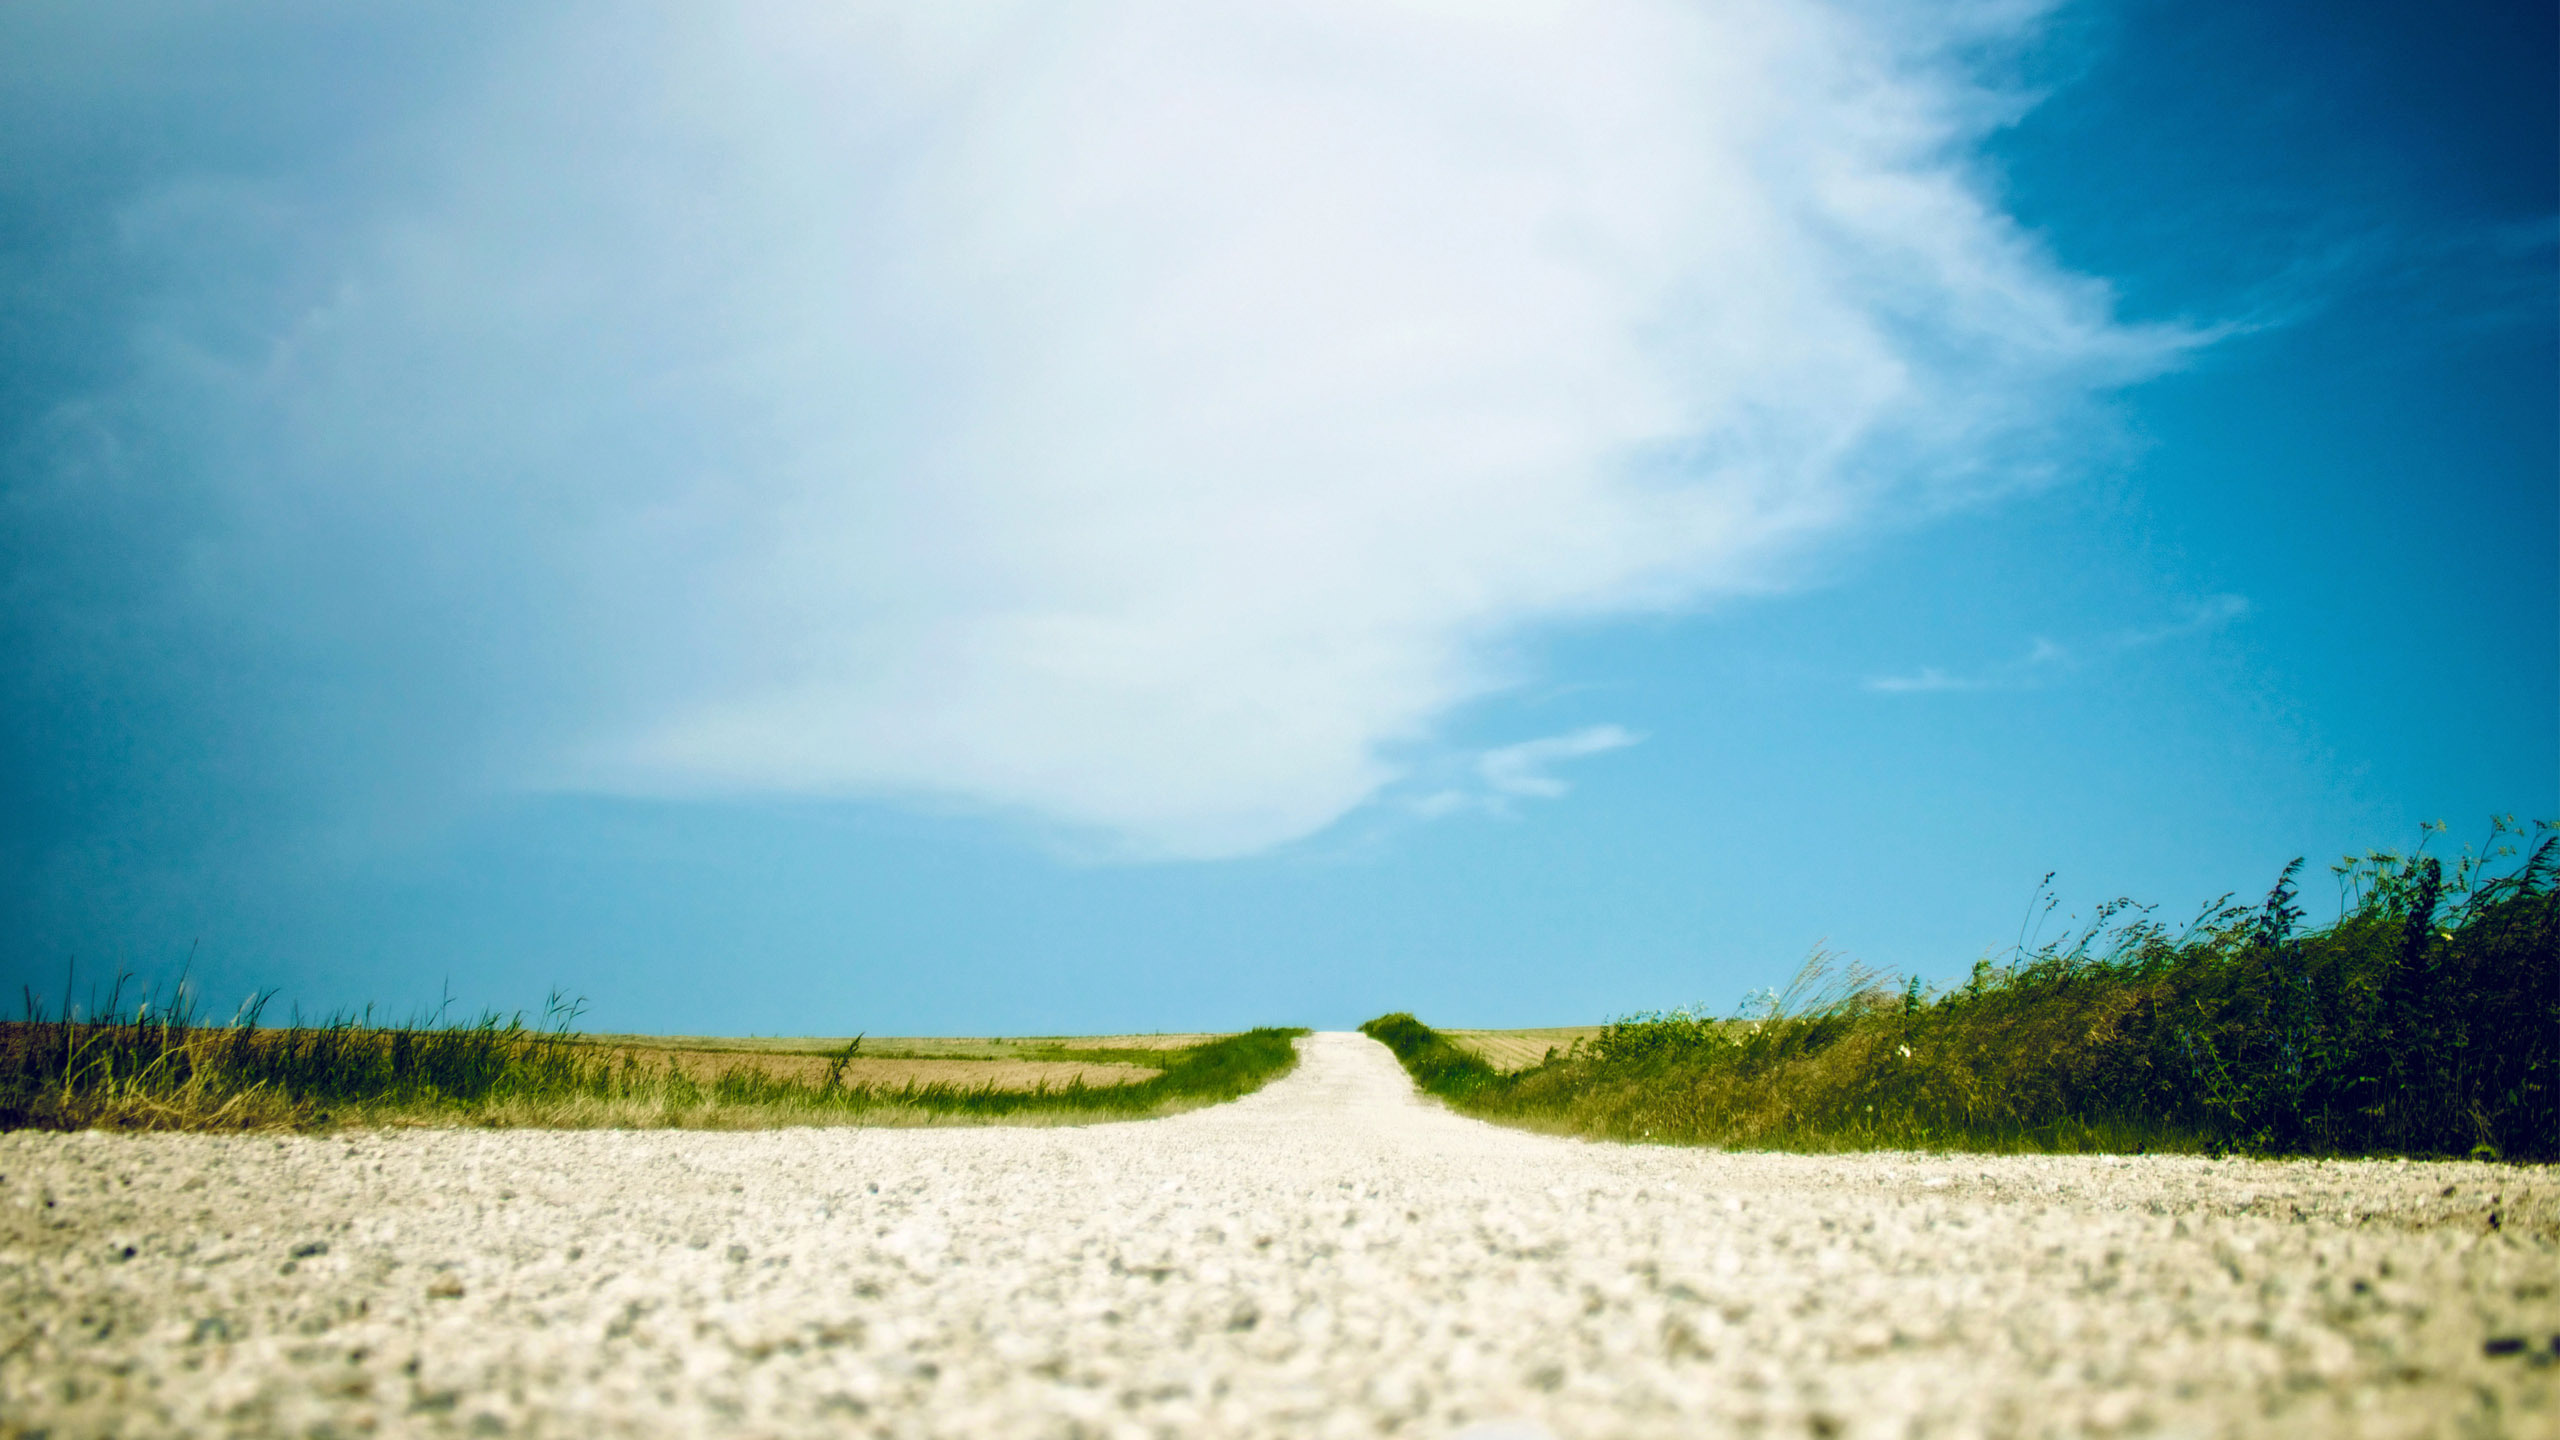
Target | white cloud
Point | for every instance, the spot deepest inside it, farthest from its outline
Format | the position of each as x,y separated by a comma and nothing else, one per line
1147,418
1522,769
1928,679
2045,657
2204,616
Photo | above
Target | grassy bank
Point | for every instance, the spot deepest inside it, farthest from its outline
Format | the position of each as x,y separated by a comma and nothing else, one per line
161,1071
2425,1021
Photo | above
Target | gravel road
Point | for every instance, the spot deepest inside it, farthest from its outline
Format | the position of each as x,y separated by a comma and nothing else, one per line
1332,1256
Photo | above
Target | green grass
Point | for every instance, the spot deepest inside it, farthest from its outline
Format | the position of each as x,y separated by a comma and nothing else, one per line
160,1070
2425,1021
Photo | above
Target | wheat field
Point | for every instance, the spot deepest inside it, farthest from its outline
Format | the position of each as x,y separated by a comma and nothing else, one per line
1509,1050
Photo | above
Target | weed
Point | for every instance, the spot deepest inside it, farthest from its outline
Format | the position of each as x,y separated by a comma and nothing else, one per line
161,1069
2426,1020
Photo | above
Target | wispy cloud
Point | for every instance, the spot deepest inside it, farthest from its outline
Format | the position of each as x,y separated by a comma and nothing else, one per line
2209,614
1149,418
1524,771
2047,658
1926,679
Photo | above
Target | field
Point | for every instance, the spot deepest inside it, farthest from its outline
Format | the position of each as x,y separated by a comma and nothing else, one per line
890,1063
2424,1021
1510,1050
159,1070
934,1047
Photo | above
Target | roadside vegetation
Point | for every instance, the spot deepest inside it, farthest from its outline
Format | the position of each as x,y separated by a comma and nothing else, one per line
159,1069
2424,1021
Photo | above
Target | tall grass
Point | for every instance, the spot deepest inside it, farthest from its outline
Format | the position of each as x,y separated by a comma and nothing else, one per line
2424,1021
161,1069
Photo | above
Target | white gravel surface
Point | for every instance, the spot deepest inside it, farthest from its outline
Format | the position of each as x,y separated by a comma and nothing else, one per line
1332,1256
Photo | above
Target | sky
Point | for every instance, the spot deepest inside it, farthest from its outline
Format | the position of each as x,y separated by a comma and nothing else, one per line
814,518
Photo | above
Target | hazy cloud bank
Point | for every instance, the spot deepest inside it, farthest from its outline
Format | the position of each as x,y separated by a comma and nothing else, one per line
1145,419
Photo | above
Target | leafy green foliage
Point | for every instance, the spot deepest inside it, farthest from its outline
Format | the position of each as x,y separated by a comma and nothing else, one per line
2426,1020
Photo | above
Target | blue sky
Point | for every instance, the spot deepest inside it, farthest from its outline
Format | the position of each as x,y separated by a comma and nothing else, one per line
803,519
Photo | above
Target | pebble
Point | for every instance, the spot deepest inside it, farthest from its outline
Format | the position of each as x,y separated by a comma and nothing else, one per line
1332,1256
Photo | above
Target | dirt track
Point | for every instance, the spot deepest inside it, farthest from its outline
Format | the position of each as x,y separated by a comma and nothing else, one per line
1329,1257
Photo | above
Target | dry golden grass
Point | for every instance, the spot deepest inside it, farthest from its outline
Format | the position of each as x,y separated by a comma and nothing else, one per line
142,1077
1510,1050
910,1047
893,1062
585,1112
706,1064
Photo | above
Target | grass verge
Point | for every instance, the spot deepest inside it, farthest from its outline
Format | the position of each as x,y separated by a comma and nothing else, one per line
161,1071
2425,1021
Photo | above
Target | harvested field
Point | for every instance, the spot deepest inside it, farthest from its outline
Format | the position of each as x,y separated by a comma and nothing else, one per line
1031,1046
882,1072
1519,1049
893,1062
913,1047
